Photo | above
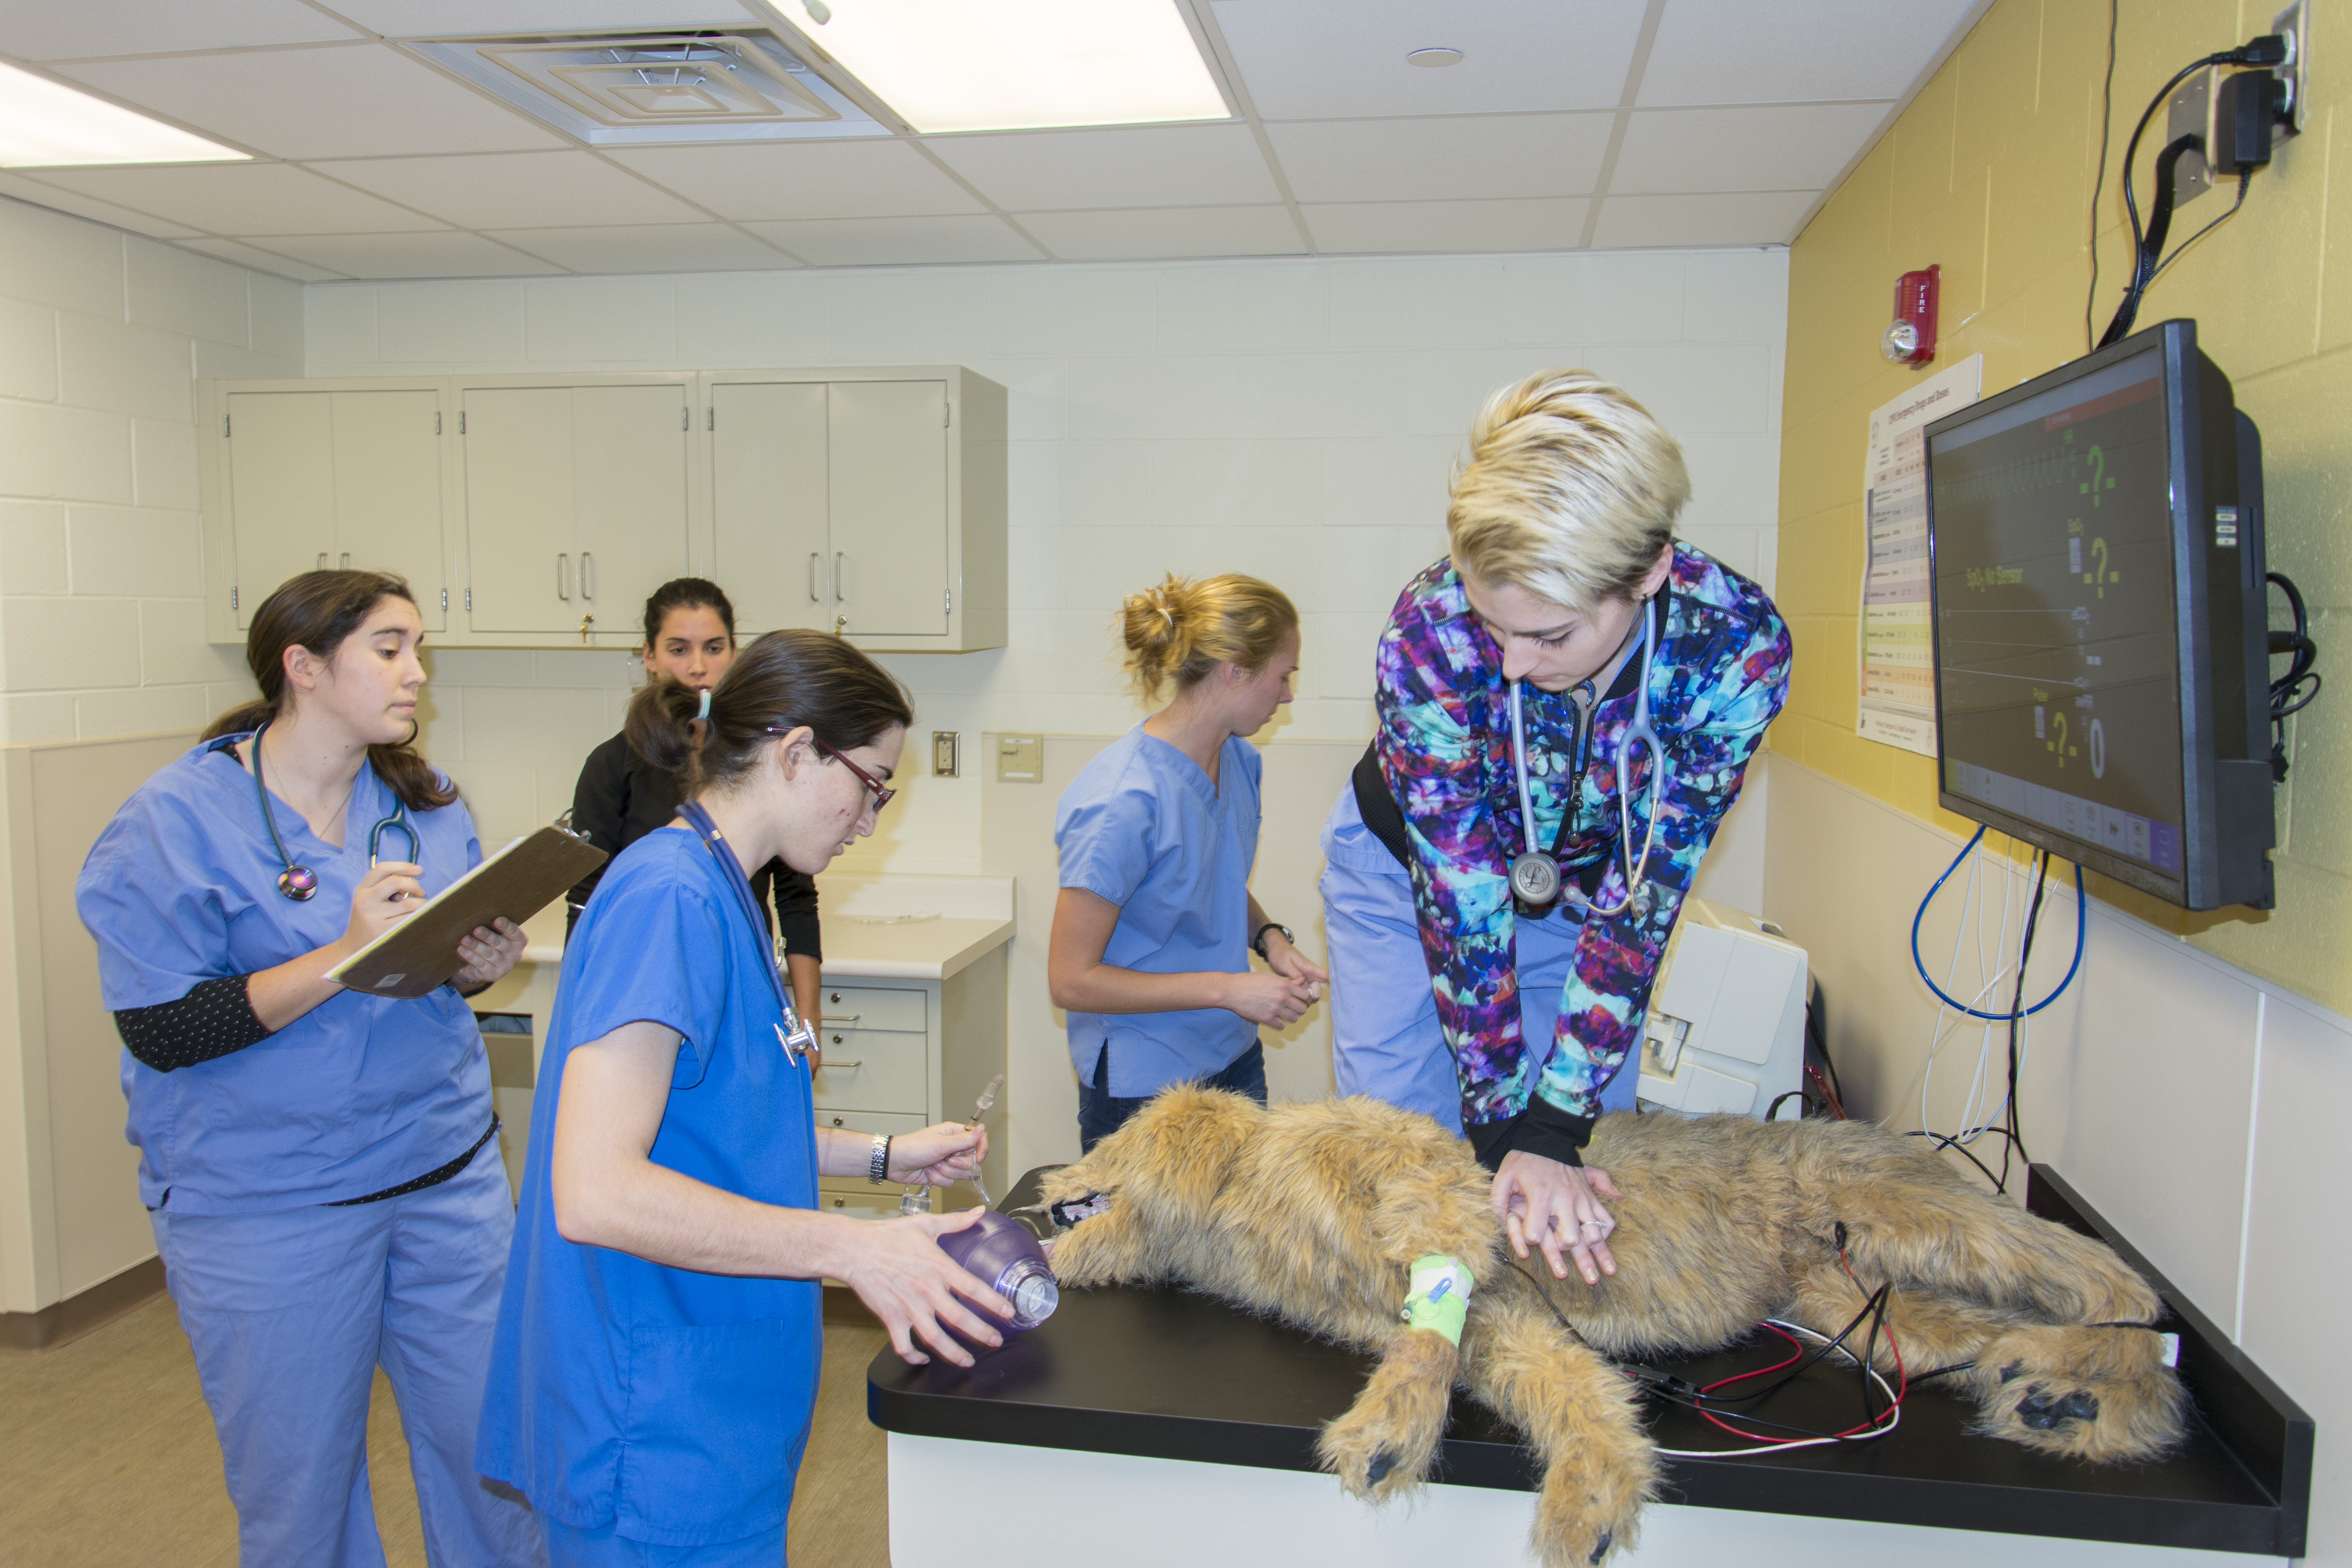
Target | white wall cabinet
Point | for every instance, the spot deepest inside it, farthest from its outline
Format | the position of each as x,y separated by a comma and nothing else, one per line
865,501
317,478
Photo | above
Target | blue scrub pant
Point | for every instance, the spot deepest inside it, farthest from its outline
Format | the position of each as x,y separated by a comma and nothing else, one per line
1102,1113
291,1314
569,1547
1385,1042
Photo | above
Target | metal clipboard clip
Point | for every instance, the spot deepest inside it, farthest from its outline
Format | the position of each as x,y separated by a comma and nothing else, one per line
562,824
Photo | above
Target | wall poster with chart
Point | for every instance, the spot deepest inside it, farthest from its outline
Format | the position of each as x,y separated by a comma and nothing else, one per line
1897,676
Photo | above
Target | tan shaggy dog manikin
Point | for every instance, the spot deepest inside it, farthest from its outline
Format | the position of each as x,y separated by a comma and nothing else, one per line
1312,1213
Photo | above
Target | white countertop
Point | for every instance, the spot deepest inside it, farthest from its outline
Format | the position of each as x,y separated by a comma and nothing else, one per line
928,949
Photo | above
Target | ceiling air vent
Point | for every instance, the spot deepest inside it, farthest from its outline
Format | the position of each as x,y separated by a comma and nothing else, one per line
656,90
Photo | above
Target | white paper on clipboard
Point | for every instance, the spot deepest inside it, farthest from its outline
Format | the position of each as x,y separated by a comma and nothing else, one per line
1894,651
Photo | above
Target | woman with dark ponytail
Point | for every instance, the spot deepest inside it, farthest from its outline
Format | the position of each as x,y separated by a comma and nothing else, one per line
318,1165
657,1351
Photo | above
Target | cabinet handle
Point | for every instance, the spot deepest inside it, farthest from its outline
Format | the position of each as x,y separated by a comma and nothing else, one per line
346,562
840,1202
837,1121
840,592
833,1018
587,575
852,1062
322,560
814,597
563,581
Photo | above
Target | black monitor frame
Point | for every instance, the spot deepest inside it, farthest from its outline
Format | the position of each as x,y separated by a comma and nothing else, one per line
2221,622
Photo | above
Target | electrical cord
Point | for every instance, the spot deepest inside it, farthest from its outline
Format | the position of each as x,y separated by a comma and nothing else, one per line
2082,920
2099,181
2288,697
2245,178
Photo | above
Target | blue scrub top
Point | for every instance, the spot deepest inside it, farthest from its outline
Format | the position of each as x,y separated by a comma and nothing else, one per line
1142,826
668,1404
359,1094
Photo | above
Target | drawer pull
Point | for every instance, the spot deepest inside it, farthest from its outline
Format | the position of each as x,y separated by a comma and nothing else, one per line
837,1121
852,1062
833,1018
839,1203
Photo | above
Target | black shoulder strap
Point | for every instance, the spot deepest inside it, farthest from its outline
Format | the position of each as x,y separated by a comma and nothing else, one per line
1377,806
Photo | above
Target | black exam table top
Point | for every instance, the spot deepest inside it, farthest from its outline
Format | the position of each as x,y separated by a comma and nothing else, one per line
1167,1373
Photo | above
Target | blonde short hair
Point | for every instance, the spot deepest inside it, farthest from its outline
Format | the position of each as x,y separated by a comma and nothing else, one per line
1571,492
1187,627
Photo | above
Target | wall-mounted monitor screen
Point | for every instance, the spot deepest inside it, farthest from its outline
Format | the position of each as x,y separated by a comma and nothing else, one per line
2096,555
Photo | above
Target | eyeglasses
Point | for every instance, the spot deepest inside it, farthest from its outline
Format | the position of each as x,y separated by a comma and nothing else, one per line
882,795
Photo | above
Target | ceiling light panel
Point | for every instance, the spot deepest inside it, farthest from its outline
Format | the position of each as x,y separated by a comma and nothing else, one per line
657,89
1018,65
46,124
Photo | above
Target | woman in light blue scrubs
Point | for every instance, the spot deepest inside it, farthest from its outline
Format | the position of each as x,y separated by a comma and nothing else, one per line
319,1165
657,1351
1155,923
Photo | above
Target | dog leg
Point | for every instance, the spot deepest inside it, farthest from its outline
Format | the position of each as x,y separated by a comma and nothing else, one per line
1383,1445
1113,1248
2090,1393
1578,1412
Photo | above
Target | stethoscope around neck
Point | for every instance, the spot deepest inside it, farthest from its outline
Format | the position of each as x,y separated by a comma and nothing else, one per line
300,883
1535,875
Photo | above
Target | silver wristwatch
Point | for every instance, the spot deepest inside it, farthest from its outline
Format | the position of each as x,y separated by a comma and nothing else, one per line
877,1160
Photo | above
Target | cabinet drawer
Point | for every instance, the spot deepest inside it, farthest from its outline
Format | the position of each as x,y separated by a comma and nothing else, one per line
860,1199
870,1069
874,1007
884,1123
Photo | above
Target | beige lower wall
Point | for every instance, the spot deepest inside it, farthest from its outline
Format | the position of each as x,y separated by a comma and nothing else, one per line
2199,1107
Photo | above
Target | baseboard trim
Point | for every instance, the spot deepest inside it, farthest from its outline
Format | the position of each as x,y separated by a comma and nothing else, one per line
78,1314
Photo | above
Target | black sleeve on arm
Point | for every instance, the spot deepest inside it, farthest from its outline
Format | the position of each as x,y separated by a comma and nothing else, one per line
215,1019
795,910
600,803
1542,1129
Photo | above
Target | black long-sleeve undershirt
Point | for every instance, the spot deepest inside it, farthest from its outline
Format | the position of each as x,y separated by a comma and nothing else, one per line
621,797
215,1019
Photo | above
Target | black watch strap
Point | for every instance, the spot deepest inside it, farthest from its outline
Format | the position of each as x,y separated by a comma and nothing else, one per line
1257,937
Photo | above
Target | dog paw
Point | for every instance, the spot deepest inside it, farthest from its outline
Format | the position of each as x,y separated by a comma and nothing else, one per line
1384,1443
2086,1393
1584,1531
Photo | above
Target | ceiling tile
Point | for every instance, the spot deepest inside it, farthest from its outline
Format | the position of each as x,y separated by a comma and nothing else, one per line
1738,51
1538,224
812,179
1762,219
514,190
1800,147
352,100
87,29
49,197
455,18
441,254
241,198
646,247
887,241
1147,233
1311,60
261,260
1440,159
1177,165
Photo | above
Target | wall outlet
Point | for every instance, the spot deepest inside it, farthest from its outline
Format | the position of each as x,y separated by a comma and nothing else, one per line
943,754
2294,23
1021,759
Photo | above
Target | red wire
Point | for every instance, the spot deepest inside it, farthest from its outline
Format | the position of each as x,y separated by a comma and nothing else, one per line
1902,1381
1796,1354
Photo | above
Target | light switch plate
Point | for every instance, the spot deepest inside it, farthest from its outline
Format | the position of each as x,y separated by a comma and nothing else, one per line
943,754
1021,759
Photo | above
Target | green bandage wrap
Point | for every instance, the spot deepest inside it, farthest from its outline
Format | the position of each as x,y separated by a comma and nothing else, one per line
1439,1296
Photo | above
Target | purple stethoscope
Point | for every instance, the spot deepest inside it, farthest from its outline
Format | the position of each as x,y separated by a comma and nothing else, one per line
1535,875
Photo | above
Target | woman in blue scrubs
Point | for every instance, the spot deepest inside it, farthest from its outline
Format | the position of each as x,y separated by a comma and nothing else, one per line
1155,922
319,1165
658,1350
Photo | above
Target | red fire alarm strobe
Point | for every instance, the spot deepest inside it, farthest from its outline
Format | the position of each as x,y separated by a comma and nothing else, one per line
1912,339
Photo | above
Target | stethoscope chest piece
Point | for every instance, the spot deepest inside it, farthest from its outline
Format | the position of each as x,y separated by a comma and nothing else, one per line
1535,878
298,883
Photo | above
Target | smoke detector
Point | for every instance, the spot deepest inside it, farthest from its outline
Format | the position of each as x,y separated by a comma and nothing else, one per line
657,89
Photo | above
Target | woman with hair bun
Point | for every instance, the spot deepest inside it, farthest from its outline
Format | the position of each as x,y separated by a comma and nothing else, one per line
658,1346
1503,871
319,1165
1155,922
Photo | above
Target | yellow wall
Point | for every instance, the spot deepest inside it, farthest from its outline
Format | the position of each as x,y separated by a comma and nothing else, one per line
1989,174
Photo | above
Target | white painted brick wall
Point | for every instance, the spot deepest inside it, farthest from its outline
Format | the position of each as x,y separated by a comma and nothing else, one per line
1294,419
103,335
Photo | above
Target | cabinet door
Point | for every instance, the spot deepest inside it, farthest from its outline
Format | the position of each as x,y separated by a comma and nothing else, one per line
629,454
520,561
768,495
888,479
387,501
281,484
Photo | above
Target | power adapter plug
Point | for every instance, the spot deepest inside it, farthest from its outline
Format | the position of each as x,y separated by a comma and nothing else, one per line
2246,105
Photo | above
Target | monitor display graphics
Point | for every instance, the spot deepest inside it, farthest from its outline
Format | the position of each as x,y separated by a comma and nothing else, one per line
2059,685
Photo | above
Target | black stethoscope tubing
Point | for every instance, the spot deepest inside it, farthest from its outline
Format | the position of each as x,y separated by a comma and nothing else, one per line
300,883
800,1034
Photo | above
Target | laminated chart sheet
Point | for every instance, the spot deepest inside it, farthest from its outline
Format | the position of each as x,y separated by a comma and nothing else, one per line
1897,679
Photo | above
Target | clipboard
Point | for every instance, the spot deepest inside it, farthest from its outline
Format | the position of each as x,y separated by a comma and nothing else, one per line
420,954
